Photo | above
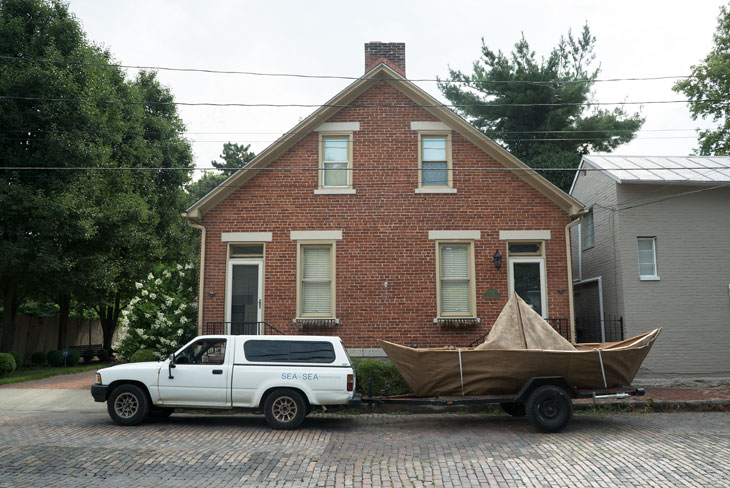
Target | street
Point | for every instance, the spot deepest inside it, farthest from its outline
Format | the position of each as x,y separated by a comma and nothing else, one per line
87,449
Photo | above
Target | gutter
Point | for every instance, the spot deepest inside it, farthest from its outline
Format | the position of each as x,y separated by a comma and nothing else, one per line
201,276
570,274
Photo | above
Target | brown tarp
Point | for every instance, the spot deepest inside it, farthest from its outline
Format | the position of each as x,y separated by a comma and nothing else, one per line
489,370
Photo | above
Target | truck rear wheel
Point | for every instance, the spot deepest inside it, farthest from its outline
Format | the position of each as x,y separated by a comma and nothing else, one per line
128,405
284,409
549,408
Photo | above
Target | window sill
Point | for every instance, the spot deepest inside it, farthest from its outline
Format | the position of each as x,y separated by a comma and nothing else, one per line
335,191
435,190
649,278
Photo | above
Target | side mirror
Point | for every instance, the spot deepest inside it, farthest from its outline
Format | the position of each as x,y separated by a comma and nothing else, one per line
171,365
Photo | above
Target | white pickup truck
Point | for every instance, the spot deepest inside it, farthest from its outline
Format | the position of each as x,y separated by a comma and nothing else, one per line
286,376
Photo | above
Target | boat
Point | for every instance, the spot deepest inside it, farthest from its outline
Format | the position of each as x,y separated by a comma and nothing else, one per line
520,345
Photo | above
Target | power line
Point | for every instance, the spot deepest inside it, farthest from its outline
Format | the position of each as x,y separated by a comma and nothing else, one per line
366,105
352,78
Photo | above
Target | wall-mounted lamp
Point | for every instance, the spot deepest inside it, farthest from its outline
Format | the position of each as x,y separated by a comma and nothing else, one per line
497,259
211,294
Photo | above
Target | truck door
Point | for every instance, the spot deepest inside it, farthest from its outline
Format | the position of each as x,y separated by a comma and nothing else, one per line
200,376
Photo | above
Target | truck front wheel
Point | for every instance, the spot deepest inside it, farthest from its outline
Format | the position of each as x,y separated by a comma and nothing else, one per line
549,408
128,405
284,409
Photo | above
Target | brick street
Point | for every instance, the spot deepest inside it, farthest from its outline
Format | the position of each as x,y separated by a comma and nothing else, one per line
87,449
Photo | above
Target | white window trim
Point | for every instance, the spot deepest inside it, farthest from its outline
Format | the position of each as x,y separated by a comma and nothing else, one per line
655,276
246,236
543,279
229,287
320,174
428,125
333,275
313,235
472,314
338,127
449,162
435,189
524,235
335,191
463,235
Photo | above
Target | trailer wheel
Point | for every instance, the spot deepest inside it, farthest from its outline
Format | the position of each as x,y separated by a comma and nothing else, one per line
128,405
284,409
549,408
515,409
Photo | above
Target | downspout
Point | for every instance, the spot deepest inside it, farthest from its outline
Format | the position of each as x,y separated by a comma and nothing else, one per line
201,276
570,276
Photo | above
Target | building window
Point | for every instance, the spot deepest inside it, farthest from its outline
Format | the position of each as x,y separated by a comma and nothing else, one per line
647,258
588,233
434,153
316,279
335,166
527,273
455,279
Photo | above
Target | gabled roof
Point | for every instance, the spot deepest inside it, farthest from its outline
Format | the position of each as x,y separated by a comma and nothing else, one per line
660,169
382,72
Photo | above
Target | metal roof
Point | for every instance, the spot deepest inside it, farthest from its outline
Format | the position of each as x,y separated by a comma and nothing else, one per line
662,169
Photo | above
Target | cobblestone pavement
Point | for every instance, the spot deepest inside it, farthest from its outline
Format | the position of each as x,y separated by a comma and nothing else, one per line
57,449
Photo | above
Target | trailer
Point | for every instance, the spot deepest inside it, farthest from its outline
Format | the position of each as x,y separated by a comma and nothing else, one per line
547,401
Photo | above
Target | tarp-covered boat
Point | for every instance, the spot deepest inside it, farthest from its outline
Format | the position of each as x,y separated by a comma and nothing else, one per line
520,345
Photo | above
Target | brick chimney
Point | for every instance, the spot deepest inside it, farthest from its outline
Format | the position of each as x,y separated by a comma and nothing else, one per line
391,53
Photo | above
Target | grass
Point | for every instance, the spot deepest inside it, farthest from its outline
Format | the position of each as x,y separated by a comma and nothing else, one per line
38,373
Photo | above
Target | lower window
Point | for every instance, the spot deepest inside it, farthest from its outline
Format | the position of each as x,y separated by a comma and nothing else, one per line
316,281
455,279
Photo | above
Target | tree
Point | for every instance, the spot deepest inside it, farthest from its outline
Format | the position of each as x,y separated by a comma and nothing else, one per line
234,156
708,89
537,108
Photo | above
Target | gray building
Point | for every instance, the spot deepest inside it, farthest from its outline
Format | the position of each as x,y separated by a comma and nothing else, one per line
654,251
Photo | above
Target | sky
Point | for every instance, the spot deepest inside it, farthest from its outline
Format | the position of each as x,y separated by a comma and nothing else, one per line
634,39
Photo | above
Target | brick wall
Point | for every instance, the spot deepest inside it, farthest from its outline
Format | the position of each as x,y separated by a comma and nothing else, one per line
385,230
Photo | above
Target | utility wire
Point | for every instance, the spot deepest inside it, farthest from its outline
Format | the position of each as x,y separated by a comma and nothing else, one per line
336,77
366,105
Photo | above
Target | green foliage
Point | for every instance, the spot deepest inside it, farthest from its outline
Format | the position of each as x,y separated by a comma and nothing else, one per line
73,357
7,364
708,90
490,99
38,358
54,358
386,380
162,316
18,359
234,156
143,355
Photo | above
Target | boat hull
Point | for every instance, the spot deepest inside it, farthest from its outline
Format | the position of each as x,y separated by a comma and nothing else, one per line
466,371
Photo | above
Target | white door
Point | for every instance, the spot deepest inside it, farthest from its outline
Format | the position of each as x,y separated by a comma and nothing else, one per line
527,278
244,296
201,376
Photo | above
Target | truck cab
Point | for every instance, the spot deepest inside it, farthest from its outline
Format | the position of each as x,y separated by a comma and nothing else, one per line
286,376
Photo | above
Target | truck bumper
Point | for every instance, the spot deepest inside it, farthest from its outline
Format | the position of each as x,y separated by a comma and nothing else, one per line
356,401
99,392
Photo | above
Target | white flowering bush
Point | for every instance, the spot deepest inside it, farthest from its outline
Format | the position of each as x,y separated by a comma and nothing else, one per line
162,315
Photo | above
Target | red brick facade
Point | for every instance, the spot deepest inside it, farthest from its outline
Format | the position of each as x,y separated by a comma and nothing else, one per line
385,229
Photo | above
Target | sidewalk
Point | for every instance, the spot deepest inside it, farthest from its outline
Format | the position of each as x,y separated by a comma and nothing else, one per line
71,392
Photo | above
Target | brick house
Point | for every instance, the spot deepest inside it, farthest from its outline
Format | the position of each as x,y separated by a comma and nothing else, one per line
382,215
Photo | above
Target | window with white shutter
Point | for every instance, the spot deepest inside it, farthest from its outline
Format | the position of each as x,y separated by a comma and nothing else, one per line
455,285
316,279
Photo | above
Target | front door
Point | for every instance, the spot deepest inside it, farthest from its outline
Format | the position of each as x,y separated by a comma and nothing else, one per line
201,376
243,311
528,280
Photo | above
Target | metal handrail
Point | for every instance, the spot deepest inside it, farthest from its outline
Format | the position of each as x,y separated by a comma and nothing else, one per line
240,328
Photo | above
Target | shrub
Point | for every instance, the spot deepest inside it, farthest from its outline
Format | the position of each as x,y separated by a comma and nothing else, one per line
386,380
18,359
162,316
54,358
73,357
7,364
143,355
38,358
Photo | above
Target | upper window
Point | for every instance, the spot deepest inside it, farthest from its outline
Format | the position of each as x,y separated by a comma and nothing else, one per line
647,258
289,351
588,234
455,279
335,166
316,281
434,161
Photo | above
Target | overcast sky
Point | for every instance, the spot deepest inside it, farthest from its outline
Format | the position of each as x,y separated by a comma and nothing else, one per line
634,39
